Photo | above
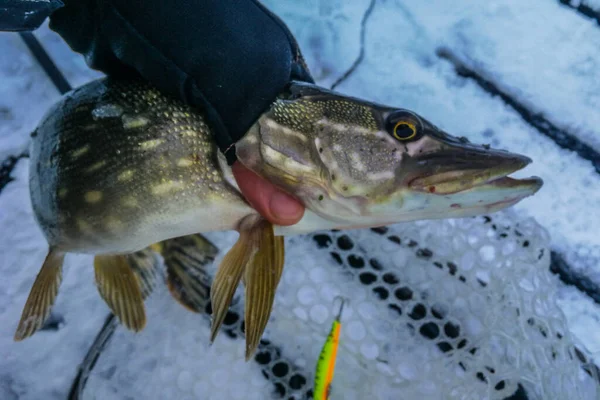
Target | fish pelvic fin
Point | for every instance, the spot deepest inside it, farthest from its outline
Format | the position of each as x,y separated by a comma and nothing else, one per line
186,258
228,278
120,289
41,296
146,268
261,278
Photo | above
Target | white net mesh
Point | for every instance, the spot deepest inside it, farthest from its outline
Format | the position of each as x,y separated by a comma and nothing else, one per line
454,309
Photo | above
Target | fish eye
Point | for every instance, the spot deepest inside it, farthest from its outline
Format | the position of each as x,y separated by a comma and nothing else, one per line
404,126
404,130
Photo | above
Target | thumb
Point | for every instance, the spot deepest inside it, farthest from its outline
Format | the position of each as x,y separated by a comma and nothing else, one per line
271,202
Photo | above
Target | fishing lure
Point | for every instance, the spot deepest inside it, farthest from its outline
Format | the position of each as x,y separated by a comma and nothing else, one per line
327,358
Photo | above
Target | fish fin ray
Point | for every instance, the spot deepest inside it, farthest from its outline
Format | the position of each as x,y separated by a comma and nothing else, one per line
227,279
146,268
186,258
119,287
41,296
262,277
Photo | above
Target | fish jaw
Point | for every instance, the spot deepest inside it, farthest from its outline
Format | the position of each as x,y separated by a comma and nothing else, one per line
460,181
483,199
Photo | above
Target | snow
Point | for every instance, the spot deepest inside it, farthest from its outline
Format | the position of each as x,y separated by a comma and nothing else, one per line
22,80
538,51
544,54
581,316
593,4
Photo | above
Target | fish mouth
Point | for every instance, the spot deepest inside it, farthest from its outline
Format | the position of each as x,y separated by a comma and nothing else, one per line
474,169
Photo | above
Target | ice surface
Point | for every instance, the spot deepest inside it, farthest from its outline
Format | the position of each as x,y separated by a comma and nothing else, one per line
25,90
25,94
522,46
593,4
400,68
582,314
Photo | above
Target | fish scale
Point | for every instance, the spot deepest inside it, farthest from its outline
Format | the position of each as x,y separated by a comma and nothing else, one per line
132,173
119,168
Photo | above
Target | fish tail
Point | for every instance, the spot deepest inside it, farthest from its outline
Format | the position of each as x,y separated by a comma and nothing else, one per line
41,296
186,258
120,289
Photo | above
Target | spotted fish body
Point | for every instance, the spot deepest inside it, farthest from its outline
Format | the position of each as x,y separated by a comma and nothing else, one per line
118,166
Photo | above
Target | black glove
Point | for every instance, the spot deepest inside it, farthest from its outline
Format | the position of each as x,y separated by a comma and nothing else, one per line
230,58
25,15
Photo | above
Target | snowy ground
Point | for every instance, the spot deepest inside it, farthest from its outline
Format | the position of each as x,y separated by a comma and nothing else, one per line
539,52
589,8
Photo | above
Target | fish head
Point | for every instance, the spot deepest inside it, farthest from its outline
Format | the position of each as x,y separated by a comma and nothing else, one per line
359,164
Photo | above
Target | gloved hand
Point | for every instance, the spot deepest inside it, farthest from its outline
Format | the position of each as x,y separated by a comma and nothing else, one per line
229,58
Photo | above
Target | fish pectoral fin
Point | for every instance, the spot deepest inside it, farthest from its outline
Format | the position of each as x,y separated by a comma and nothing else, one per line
261,278
120,289
258,257
146,267
228,278
186,258
41,296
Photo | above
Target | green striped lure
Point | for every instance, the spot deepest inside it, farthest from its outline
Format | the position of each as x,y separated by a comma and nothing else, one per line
326,363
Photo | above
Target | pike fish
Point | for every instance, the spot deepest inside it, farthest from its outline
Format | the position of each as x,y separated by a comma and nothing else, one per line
119,169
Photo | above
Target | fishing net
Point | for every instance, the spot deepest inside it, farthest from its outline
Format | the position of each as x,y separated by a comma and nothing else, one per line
452,309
